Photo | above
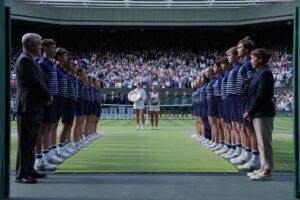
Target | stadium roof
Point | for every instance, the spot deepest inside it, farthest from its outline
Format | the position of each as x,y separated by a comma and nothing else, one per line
154,3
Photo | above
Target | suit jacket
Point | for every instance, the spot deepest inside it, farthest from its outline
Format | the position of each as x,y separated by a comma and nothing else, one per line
122,100
32,93
261,92
113,99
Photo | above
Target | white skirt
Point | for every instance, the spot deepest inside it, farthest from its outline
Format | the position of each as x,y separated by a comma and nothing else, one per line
154,108
139,105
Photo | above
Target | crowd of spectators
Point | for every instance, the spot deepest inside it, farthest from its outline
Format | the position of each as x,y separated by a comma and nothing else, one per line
284,101
282,67
167,69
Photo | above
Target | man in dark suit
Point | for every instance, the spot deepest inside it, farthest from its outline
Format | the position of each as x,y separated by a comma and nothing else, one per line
113,109
32,96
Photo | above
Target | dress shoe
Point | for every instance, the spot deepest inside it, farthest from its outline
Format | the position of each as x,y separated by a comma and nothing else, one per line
26,180
37,175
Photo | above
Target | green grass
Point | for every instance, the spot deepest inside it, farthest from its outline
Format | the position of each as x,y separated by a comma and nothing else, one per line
124,149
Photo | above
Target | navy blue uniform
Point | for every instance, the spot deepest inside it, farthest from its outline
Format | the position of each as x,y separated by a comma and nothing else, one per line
95,101
79,107
203,100
232,93
203,103
225,107
217,94
91,101
86,99
98,103
50,75
62,90
211,100
69,111
244,77
196,102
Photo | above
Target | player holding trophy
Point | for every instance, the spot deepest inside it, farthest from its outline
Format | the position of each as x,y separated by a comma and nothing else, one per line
154,100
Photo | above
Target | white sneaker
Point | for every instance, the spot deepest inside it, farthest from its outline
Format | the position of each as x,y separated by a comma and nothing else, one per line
86,142
198,138
152,128
137,127
218,147
81,144
89,139
236,154
69,150
76,145
229,153
63,154
212,146
237,161
52,158
156,128
251,165
202,139
73,147
96,136
142,127
59,153
42,165
206,143
246,156
224,150
92,137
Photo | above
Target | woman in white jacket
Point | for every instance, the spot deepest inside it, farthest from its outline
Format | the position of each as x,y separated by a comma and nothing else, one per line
139,106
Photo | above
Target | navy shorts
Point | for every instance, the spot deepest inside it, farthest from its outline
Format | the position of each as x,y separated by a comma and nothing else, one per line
50,112
85,107
69,111
79,107
225,110
219,107
204,109
211,107
194,109
90,108
242,102
98,110
234,116
199,109
61,104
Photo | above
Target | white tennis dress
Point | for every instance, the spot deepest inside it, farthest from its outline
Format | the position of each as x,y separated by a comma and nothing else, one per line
152,107
140,104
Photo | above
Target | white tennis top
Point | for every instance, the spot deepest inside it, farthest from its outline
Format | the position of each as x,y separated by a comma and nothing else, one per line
140,104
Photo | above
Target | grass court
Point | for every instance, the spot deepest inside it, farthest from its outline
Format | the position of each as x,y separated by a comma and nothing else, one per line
170,149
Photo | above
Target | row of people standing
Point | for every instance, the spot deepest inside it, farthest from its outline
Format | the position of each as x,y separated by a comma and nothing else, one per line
179,105
234,110
50,89
76,103
119,107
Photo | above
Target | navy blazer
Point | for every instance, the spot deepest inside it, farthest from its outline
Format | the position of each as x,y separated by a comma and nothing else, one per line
32,93
261,92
